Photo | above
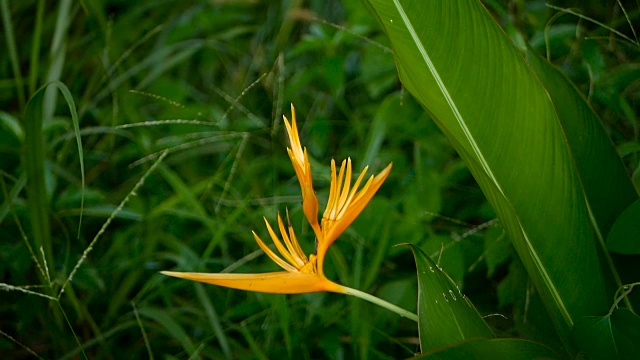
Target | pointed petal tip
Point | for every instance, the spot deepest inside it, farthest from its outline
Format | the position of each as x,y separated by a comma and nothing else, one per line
274,282
385,172
172,273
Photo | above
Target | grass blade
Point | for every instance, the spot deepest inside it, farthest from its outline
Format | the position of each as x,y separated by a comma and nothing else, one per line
34,160
58,53
13,53
34,144
35,49
214,320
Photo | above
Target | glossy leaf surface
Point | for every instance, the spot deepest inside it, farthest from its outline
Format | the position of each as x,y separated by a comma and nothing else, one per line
458,63
445,315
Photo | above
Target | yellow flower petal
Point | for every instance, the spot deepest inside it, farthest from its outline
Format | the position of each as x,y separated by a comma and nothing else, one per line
273,282
276,259
302,166
295,151
343,210
292,243
283,251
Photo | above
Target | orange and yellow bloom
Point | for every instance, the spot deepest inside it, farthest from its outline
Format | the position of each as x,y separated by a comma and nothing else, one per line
304,274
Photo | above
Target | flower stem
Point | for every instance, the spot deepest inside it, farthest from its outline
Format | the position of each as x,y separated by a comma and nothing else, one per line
376,300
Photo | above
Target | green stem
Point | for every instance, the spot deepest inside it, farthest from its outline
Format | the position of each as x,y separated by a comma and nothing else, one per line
385,304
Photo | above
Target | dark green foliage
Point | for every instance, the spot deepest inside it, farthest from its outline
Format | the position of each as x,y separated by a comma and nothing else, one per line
210,81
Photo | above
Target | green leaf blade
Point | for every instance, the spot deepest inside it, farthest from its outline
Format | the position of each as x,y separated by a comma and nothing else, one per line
35,159
34,162
605,181
482,93
445,315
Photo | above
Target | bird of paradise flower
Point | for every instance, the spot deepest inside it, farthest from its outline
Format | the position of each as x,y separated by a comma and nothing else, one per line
305,274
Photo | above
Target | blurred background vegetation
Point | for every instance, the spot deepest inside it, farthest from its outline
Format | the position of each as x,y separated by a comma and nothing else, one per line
210,81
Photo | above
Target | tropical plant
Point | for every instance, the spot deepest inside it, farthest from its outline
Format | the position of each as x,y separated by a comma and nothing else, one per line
142,138
542,159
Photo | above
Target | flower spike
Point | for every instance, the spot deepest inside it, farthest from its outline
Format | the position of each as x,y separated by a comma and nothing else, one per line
305,274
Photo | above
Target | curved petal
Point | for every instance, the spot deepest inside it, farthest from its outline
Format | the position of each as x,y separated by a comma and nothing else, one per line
276,259
283,251
302,166
274,282
334,228
296,152
292,243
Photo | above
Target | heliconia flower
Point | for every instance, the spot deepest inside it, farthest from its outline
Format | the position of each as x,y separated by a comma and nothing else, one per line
302,274
343,206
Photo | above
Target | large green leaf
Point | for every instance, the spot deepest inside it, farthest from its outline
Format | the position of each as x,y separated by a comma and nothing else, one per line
445,315
479,89
605,181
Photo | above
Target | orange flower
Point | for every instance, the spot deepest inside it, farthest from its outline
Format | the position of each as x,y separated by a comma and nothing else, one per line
345,204
302,274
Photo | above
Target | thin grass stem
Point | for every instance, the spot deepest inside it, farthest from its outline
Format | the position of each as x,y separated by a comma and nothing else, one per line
13,53
144,333
10,199
108,222
12,339
383,303
72,332
570,11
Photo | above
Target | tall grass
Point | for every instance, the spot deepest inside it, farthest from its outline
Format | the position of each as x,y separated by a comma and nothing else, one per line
177,152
